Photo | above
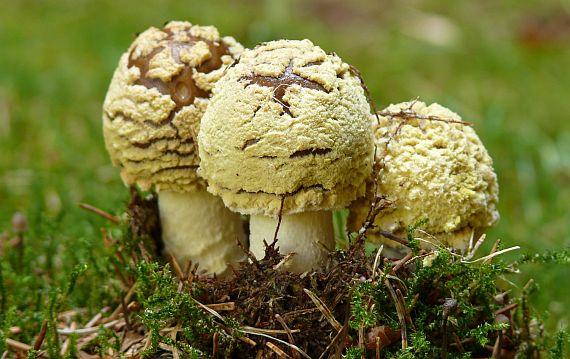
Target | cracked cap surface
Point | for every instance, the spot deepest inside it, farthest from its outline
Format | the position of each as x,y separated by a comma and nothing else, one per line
155,102
433,169
287,121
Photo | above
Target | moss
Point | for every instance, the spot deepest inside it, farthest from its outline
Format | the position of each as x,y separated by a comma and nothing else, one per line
447,306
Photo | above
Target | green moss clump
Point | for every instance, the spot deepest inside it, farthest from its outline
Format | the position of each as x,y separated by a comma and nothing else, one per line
430,305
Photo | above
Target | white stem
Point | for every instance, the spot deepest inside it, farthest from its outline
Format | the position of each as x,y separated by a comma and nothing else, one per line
309,235
198,227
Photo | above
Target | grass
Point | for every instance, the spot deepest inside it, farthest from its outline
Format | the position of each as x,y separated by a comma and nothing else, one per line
57,57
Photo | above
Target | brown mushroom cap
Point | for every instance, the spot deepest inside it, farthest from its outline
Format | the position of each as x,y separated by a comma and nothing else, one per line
158,94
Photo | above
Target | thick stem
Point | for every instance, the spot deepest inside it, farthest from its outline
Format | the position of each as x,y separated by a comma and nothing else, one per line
309,235
198,227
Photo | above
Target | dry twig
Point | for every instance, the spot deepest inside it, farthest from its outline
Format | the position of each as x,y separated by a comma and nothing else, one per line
99,212
279,218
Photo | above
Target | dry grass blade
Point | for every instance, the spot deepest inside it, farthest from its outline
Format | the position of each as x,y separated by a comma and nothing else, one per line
218,316
68,314
93,321
268,331
473,250
376,260
67,342
377,347
100,212
397,279
18,345
415,258
400,310
119,308
215,344
323,308
176,267
147,342
209,310
130,344
40,339
14,330
167,347
299,312
305,355
495,247
248,341
407,315
497,348
488,258
222,307
334,341
280,353
285,259
361,340
84,331
173,334
289,334
402,262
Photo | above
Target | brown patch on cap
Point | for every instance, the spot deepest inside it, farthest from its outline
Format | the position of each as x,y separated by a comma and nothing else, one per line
281,83
181,88
311,151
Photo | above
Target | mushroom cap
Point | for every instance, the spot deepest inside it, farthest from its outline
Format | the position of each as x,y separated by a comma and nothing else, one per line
290,122
155,101
431,169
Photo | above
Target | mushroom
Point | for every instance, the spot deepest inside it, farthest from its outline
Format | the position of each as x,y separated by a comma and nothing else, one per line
286,139
151,116
431,165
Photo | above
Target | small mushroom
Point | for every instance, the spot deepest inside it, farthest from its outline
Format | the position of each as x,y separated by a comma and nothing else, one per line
287,135
151,116
431,165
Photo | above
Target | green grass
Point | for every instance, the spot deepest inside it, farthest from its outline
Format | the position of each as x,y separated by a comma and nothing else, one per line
57,57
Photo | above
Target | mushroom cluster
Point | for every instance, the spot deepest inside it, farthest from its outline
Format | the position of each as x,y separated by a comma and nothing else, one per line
282,133
432,166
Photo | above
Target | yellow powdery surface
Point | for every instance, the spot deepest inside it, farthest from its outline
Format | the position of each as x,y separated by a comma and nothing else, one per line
432,169
312,147
146,132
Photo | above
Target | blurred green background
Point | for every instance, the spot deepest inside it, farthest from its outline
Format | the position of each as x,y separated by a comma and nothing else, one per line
503,65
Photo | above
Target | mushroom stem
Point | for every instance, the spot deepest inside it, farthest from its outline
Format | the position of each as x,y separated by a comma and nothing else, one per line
309,235
198,227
